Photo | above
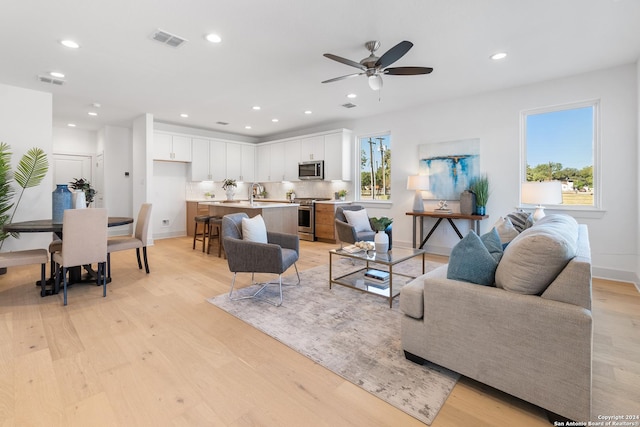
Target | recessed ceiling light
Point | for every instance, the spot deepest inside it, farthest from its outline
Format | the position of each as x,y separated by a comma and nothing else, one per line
308,112
275,120
57,74
256,107
95,104
184,115
499,55
70,44
352,95
71,125
213,38
92,113
247,127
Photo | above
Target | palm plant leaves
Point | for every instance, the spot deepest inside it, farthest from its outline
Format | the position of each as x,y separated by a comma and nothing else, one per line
32,169
6,190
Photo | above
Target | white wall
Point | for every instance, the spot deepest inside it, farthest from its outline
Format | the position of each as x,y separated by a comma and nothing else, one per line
68,140
117,162
25,122
494,118
168,198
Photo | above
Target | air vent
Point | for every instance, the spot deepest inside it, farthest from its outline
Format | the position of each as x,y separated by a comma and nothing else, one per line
51,80
349,105
168,38
222,123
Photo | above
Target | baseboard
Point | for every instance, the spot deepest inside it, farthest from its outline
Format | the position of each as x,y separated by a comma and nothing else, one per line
170,234
617,275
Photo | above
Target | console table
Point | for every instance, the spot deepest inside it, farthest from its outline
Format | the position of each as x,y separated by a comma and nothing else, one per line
475,223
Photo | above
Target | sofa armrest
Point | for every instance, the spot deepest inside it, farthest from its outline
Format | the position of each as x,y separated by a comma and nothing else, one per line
412,294
288,241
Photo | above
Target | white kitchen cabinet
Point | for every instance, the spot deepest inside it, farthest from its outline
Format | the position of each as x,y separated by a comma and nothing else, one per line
312,148
291,159
209,160
263,163
337,159
276,170
170,147
240,162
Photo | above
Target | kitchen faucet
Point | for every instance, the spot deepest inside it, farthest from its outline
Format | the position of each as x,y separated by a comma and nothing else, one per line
254,185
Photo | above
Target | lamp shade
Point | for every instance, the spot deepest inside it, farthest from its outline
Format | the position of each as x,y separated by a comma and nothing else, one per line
375,82
418,183
542,193
539,193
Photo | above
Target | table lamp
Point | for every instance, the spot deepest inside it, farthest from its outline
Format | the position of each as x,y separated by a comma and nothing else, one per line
539,193
419,183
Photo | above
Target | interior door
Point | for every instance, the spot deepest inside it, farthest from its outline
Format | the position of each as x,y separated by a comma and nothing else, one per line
66,167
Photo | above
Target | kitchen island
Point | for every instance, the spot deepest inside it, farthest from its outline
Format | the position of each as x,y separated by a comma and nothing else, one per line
279,217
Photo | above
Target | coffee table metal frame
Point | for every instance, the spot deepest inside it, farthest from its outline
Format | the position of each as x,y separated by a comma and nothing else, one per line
390,259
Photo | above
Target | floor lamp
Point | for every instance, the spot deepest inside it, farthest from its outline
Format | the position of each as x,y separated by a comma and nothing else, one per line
419,183
539,193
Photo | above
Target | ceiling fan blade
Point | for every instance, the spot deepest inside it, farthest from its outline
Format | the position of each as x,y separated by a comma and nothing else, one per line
407,71
342,77
345,61
393,54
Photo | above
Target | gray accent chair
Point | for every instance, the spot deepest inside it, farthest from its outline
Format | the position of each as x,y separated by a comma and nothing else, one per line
275,257
347,232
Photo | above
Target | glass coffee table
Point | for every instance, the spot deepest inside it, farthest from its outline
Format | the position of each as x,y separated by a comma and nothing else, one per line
382,262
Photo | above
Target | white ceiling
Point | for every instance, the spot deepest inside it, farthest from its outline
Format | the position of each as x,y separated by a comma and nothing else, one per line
271,55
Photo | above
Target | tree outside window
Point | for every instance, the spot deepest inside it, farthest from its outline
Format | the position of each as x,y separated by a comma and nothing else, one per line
375,167
560,145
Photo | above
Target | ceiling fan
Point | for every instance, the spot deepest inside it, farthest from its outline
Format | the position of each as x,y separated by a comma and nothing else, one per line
373,67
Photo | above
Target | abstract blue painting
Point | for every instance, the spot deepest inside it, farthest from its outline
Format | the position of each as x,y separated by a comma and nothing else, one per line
451,167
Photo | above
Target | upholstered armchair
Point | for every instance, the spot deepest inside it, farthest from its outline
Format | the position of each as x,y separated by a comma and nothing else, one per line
280,252
347,233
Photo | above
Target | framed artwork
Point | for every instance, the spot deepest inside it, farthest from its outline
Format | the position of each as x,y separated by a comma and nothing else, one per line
451,167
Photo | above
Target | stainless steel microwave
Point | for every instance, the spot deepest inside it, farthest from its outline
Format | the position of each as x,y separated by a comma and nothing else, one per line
311,170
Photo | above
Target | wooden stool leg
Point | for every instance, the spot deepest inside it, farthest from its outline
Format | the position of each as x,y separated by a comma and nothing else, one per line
195,234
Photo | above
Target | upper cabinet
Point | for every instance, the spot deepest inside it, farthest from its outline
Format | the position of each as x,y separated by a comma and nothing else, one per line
291,159
209,160
169,147
312,148
337,156
241,162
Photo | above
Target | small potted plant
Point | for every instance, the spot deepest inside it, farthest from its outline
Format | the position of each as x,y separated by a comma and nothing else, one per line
480,187
229,186
85,186
342,194
381,238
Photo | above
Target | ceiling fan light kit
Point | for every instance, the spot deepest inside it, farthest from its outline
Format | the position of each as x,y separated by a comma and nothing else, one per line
373,66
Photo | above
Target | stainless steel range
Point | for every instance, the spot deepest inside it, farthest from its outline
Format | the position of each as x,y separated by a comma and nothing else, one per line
306,217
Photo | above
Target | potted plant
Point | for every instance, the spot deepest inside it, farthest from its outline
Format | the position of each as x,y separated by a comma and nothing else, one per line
85,186
342,194
31,170
229,186
381,238
480,187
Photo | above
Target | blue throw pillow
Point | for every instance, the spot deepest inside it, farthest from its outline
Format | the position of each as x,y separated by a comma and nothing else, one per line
475,259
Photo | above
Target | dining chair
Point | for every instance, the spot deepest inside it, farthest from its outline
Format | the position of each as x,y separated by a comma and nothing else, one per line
137,241
26,257
84,242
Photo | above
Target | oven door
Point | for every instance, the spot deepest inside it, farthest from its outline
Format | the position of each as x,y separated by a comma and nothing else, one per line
305,220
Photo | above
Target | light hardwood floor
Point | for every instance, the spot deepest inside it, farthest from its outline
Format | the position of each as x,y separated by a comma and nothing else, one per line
154,352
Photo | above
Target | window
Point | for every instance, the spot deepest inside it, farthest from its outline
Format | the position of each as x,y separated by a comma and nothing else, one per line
560,144
375,167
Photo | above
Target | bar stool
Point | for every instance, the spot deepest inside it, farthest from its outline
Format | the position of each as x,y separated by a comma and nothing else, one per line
204,220
215,222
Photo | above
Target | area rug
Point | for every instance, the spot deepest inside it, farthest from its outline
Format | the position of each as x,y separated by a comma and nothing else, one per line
352,333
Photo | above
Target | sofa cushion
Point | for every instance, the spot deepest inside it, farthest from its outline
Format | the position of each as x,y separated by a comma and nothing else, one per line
358,219
534,258
506,230
474,259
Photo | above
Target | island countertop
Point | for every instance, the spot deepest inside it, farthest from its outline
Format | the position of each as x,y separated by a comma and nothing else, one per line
278,217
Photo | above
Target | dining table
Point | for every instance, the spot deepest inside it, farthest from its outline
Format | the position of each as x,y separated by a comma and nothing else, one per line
48,226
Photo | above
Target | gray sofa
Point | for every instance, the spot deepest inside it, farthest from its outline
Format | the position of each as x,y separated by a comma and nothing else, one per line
534,343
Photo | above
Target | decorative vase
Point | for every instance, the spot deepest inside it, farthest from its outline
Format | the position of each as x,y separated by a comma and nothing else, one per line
230,191
467,203
79,200
480,210
61,199
382,242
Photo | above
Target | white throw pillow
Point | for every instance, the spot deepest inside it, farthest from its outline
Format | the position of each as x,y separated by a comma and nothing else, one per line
358,219
506,230
254,229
